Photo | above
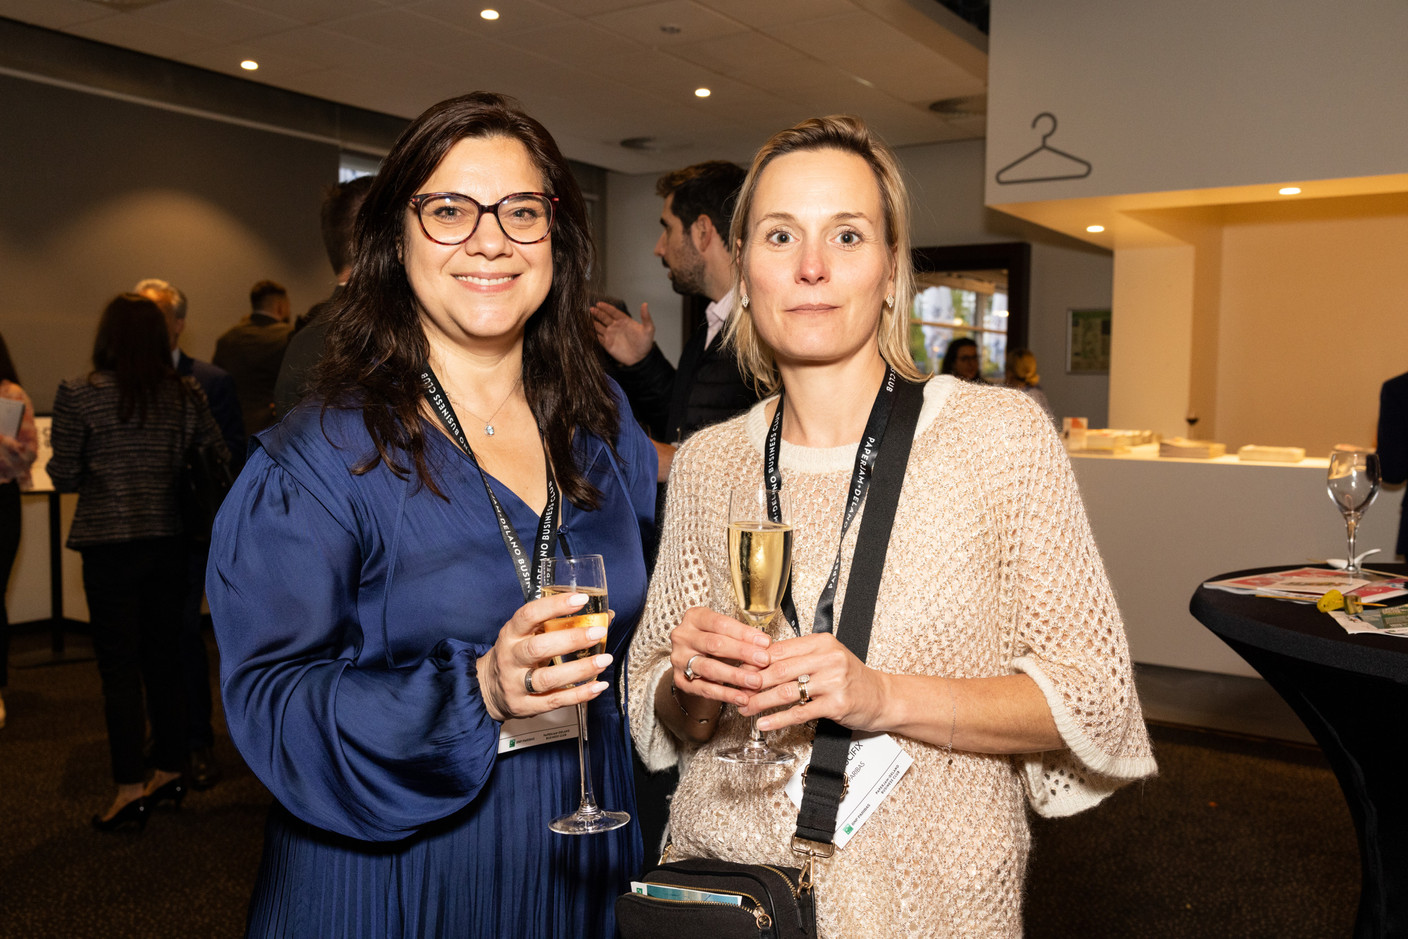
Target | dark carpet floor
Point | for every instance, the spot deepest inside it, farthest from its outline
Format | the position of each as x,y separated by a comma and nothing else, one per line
1234,838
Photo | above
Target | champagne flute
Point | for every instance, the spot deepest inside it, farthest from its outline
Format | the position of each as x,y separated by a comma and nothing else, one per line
759,562
585,573
1353,482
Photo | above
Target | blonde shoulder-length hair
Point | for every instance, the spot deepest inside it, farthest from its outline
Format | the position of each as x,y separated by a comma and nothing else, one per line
849,135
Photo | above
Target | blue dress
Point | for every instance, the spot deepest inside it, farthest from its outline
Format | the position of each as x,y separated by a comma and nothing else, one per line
350,610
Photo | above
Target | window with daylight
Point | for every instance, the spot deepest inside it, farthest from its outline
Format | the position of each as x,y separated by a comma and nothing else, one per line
976,292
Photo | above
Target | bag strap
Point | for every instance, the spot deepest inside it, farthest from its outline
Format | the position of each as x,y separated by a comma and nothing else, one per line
824,784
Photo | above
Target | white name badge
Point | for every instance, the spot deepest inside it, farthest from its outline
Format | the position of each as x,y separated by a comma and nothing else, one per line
520,733
874,766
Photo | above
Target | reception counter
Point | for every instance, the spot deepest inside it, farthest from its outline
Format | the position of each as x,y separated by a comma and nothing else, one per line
1166,525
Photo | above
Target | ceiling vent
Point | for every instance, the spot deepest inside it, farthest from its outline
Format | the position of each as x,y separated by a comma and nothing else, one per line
965,106
653,144
126,5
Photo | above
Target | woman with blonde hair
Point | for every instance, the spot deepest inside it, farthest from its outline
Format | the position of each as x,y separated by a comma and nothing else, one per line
1021,374
997,661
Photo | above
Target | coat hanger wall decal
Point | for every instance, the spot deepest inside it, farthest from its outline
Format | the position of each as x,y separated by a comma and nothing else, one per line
1045,163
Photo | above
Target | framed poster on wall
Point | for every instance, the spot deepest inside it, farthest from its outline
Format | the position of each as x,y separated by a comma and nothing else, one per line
1088,342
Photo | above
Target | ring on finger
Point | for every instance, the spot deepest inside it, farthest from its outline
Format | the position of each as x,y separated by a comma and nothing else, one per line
528,680
802,693
689,671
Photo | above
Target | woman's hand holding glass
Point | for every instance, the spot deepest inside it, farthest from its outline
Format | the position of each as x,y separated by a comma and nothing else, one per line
724,656
816,676
522,647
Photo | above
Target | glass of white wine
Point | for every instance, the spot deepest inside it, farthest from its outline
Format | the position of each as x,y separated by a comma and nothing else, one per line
760,563
585,573
1353,482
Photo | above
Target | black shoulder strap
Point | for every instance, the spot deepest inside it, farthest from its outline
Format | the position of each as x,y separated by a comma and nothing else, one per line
825,783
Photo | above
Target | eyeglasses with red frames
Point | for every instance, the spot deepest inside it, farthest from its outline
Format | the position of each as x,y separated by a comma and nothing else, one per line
451,218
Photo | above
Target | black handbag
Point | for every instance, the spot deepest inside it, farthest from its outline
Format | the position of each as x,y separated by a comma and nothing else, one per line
200,488
780,902
774,903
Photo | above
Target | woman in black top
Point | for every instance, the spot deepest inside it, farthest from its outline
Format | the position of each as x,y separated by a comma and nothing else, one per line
120,436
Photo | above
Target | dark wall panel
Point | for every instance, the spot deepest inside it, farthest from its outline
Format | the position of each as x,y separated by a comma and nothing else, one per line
97,192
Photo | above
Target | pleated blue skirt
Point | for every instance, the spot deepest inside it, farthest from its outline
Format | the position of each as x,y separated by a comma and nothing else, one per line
493,869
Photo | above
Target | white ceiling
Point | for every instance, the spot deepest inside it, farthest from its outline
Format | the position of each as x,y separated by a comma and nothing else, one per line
594,72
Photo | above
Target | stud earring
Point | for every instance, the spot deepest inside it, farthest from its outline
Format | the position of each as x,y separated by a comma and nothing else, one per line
744,302
890,301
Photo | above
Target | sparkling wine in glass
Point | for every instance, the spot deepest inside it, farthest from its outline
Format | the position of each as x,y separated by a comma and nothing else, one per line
1353,482
585,573
759,563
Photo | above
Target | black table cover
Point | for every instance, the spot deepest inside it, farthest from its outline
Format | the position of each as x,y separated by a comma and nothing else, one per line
1351,691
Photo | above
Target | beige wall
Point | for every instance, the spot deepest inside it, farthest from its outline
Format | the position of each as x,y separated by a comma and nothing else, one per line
1314,319
1275,322
1159,95
1275,319
1154,314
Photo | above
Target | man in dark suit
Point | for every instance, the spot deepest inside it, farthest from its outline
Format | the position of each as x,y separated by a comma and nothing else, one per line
339,216
252,351
707,387
1393,444
219,390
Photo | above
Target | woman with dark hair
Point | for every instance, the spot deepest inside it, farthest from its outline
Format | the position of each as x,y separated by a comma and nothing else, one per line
962,360
372,573
18,447
120,438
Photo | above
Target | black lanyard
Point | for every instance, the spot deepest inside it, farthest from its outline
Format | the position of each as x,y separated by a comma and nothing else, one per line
866,455
529,571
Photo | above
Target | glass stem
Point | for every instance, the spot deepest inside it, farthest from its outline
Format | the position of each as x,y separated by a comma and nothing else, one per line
1351,524
755,736
588,805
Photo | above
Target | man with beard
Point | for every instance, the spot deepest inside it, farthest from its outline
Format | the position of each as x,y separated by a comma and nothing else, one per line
707,387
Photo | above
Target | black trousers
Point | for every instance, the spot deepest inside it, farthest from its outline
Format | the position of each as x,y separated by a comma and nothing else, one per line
9,547
135,590
195,661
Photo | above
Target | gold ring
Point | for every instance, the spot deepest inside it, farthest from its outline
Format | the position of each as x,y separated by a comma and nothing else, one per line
528,680
689,666
802,688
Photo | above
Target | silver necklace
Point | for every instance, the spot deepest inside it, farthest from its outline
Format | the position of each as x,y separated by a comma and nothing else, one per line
489,424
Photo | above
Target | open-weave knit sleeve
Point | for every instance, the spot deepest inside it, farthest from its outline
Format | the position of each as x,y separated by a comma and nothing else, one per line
1069,637
680,581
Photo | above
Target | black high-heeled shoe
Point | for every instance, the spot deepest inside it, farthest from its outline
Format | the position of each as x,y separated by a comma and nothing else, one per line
133,813
173,791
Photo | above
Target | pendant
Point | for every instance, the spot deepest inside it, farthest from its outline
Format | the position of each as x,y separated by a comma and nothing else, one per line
488,430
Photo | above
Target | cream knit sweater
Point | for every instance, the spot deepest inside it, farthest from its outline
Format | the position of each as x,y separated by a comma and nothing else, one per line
991,570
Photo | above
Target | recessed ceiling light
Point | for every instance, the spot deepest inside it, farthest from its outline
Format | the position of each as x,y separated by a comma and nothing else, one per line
489,14
249,65
1289,190
701,92
1095,229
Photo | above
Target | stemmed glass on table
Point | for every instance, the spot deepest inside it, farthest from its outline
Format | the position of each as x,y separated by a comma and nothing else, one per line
1353,482
585,573
759,563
